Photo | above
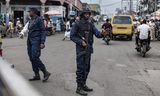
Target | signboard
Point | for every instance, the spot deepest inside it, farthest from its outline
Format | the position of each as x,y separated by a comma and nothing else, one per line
43,1
72,13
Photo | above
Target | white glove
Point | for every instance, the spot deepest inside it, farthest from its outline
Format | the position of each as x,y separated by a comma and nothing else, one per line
24,30
21,35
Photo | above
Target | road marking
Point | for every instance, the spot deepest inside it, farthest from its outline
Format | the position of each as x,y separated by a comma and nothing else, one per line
121,65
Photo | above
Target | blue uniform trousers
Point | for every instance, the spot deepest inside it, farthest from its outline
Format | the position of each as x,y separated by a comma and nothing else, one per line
83,68
34,53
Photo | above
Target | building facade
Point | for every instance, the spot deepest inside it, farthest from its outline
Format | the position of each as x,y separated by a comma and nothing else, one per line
148,6
95,8
19,8
85,6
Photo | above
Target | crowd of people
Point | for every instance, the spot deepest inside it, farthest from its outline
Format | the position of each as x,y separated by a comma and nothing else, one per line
12,28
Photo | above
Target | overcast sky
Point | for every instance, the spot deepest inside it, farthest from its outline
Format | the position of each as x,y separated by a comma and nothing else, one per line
113,4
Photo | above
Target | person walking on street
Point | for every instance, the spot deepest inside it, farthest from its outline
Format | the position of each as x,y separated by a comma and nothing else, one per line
36,42
58,25
10,29
69,25
152,26
82,35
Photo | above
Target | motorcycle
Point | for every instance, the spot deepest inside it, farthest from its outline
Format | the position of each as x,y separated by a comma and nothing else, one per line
107,38
143,47
50,31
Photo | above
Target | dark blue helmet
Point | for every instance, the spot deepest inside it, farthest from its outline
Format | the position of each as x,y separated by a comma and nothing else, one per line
84,11
33,10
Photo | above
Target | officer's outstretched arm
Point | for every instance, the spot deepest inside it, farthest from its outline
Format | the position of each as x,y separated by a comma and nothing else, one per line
74,35
96,32
25,29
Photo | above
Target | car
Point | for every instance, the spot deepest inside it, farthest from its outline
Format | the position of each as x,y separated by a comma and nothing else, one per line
122,26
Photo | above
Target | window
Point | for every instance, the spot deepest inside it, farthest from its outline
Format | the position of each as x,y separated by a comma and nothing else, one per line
122,20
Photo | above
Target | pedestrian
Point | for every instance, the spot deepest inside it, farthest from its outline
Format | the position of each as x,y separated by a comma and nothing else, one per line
10,29
36,42
97,20
67,32
19,26
58,26
69,25
136,24
152,26
1,46
82,34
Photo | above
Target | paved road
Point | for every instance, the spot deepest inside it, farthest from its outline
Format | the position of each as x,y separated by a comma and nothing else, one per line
117,69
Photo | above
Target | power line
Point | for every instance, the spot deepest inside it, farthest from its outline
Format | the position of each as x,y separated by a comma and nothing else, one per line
107,5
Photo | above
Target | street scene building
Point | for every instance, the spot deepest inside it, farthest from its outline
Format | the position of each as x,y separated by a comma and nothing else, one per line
18,9
95,8
79,47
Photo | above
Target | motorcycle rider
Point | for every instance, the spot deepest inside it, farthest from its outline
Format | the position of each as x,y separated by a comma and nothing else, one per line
107,26
143,33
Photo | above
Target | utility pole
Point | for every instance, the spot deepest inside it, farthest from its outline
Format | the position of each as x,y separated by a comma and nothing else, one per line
121,4
90,1
130,6
155,5
100,1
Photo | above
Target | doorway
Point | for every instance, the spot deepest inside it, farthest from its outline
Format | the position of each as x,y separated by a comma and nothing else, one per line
20,15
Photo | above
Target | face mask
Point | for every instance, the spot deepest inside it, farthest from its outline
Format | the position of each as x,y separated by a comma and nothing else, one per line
86,18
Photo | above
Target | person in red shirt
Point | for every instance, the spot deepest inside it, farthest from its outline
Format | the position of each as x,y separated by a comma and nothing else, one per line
107,26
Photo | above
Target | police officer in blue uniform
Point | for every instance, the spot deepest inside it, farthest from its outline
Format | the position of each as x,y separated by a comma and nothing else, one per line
36,42
82,35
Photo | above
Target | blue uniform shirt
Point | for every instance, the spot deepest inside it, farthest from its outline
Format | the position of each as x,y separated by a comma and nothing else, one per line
36,30
77,39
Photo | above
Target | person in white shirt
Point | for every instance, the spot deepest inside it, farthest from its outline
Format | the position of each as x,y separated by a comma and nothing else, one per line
152,26
143,33
67,32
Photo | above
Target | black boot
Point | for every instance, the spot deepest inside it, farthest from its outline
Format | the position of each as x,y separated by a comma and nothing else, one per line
46,75
80,90
87,89
36,77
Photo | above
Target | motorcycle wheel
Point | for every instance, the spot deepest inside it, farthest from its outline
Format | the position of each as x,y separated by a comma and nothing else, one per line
158,38
49,33
113,38
143,50
106,41
143,54
130,38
